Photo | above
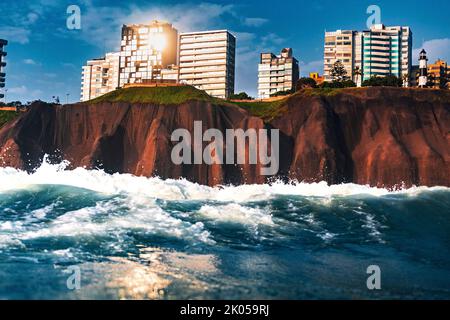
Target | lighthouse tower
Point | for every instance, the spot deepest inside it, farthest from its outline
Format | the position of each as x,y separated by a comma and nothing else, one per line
423,66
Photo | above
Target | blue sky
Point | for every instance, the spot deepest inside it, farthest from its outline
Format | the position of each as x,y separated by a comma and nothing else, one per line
45,58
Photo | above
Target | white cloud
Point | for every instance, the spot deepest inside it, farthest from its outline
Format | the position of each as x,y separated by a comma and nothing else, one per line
311,66
436,49
15,34
243,37
271,39
101,26
255,22
23,92
30,62
32,17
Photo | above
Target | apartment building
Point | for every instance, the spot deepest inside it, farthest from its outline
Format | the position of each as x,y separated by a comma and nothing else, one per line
439,74
344,46
171,73
277,73
146,49
3,43
207,61
379,51
387,51
100,76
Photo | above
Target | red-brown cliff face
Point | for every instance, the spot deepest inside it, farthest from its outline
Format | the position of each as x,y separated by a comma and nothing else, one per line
376,136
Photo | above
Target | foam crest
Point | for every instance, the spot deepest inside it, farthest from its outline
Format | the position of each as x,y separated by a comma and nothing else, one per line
99,181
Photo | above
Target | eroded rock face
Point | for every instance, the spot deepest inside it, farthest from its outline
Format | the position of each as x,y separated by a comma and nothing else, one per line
377,136
120,137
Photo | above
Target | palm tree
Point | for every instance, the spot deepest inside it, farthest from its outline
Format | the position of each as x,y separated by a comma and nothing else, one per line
357,72
405,78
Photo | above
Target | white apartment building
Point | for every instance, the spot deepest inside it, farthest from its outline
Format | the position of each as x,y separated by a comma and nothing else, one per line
387,50
207,61
344,46
277,73
380,51
171,73
146,50
100,76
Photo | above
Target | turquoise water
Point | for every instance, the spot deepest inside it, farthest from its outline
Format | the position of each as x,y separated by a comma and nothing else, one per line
139,238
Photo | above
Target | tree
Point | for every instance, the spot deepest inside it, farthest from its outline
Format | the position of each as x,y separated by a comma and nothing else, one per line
431,81
338,84
338,72
56,99
405,79
358,73
282,93
388,81
241,96
303,83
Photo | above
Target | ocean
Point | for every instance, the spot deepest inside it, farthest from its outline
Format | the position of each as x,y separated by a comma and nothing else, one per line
127,237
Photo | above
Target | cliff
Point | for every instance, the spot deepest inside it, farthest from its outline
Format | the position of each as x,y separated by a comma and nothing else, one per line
377,136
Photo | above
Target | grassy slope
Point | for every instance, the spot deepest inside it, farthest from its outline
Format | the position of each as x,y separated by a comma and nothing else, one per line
157,95
6,116
263,109
181,94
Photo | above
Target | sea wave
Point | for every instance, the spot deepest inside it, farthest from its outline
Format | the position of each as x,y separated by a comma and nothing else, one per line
181,189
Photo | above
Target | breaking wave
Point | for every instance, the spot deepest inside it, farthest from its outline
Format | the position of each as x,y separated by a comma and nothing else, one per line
215,242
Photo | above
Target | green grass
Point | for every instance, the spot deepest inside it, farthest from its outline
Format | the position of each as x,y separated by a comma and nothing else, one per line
266,110
6,116
157,95
327,92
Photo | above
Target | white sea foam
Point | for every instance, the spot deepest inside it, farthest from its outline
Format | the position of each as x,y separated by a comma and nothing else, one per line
170,189
235,213
104,220
133,205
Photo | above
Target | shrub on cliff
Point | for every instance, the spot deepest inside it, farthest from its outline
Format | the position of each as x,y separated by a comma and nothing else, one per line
282,93
304,83
338,84
240,96
388,81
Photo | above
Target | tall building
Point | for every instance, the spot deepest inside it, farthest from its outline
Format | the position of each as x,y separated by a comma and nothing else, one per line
3,43
207,61
277,73
379,51
439,74
387,51
344,46
146,50
100,76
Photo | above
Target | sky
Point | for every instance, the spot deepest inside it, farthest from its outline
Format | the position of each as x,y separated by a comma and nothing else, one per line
45,57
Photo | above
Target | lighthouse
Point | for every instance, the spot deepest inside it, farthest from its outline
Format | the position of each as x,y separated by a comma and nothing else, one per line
423,65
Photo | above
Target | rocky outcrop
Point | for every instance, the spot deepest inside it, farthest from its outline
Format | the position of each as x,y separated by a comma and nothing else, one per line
378,136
